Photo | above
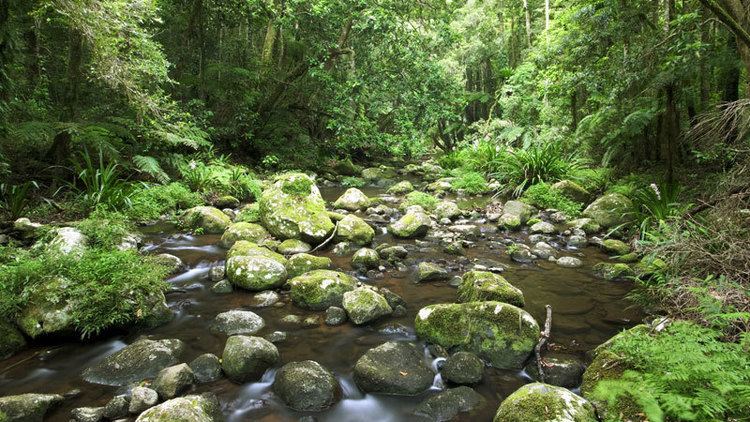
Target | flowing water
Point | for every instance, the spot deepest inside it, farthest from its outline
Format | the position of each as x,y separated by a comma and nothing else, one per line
586,312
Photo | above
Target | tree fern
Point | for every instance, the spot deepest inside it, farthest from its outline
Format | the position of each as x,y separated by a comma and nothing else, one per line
150,166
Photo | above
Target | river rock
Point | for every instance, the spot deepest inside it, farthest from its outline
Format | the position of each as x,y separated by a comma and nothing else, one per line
247,358
11,340
319,289
572,191
587,225
117,408
352,200
577,242
521,253
28,407
499,333
612,272
365,259
255,268
393,368
411,225
206,367
610,210
87,414
569,262
264,299
615,247
447,405
447,209
463,368
354,230
68,241
335,316
135,362
378,174
515,214
302,263
542,227
543,250
237,322
293,246
427,271
211,220
479,286
292,208
401,188
222,287
203,408
173,263
306,386
364,305
544,403
172,381
26,229
243,231
142,398
393,253
559,370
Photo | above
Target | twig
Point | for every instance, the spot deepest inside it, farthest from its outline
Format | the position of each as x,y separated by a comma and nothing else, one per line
542,342
327,241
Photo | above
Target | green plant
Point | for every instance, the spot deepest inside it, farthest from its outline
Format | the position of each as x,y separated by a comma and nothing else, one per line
352,182
470,181
425,200
682,373
105,229
541,195
196,175
270,162
538,163
149,202
100,182
452,160
15,199
653,204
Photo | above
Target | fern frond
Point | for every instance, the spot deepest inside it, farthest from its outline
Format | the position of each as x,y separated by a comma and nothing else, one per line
150,165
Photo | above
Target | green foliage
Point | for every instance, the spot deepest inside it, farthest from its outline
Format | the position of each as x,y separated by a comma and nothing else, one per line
300,186
539,163
653,205
543,196
683,373
149,202
109,288
16,199
105,229
593,180
425,200
99,183
218,177
353,182
470,181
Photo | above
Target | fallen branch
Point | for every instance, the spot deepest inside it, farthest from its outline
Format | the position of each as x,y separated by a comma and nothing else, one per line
542,342
327,241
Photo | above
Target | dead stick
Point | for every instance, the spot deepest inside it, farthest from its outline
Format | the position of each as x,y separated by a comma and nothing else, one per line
542,342
325,242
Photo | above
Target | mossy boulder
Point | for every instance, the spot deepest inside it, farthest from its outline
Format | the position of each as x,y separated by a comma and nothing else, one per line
246,358
612,272
211,220
428,271
560,370
28,407
411,225
202,408
250,213
572,191
502,334
317,290
293,246
545,403
173,381
610,210
306,386
615,247
401,188
447,209
243,231
46,312
365,259
521,210
135,362
237,322
588,225
364,305
395,368
355,230
227,201
292,208
463,368
447,405
376,174
11,340
256,272
302,263
352,200
68,241
480,286
246,248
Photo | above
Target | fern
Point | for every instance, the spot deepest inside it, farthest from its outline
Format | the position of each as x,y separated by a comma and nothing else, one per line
150,166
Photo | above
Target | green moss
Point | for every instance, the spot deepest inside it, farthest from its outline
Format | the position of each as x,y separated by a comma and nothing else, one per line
425,200
249,214
302,263
320,289
153,201
471,182
544,196
297,186
542,402
105,229
352,182
477,286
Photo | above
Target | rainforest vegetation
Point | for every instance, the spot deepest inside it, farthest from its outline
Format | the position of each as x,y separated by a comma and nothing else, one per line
608,136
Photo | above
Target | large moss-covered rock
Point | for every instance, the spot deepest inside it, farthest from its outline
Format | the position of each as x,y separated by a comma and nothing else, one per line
68,241
355,230
173,381
463,368
545,403
136,362
393,368
376,174
365,259
610,210
447,405
352,200
246,358
11,340
202,408
46,312
211,220
428,271
479,286
501,334
615,247
302,263
27,407
401,188
572,191
411,225
255,268
292,208
306,386
243,231
319,289
245,248
237,322
293,246
447,209
364,305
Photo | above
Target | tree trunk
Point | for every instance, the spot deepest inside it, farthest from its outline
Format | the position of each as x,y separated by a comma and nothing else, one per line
527,12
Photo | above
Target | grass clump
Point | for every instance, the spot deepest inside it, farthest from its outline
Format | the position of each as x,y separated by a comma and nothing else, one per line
105,229
472,182
152,201
218,178
425,200
543,196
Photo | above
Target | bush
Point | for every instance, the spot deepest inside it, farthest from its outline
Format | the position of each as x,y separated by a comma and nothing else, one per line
470,181
543,196
682,373
654,204
105,229
352,182
109,288
539,163
152,201
593,180
220,178
425,200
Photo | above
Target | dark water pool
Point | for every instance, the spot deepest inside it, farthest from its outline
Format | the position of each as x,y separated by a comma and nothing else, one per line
586,312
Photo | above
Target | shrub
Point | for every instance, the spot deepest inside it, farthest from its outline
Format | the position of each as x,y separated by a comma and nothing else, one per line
15,199
152,201
543,196
352,182
654,204
220,178
109,288
539,163
99,183
452,160
105,229
470,181
593,180
683,373
425,200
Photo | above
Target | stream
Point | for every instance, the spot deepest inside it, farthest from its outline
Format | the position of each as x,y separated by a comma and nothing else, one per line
586,312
